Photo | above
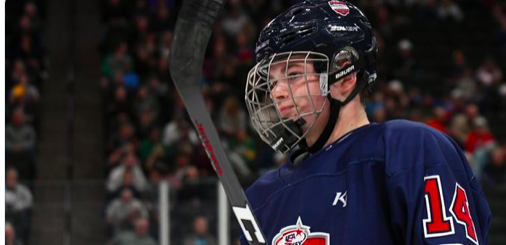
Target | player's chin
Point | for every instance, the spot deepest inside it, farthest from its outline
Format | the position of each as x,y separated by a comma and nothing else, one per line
297,116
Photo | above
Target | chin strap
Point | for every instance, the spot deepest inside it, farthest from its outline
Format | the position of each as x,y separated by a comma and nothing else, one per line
335,108
288,133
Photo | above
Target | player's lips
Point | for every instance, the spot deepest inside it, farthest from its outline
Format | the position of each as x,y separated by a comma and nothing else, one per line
285,110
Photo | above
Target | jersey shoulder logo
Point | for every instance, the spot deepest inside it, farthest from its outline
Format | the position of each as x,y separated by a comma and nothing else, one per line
340,197
299,234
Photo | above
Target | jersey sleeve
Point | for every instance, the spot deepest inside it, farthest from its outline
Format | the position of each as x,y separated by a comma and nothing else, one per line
434,196
243,240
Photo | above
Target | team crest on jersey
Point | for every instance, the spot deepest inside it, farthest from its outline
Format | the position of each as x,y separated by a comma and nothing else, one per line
339,7
299,234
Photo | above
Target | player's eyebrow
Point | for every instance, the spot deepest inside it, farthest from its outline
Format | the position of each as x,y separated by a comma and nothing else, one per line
295,64
291,64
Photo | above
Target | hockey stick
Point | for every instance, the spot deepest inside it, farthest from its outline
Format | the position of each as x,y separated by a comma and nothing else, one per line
193,30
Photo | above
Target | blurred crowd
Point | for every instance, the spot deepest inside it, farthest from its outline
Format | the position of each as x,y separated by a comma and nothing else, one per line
427,73
441,63
25,69
148,136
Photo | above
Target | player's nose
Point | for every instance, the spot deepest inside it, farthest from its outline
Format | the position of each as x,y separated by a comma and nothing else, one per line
280,90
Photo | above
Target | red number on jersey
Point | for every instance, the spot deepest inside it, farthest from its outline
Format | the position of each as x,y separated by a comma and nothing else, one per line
437,223
460,210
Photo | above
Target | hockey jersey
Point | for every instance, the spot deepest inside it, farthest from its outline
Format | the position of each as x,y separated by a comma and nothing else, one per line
398,182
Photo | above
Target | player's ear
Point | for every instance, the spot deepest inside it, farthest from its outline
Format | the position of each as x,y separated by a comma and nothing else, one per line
341,90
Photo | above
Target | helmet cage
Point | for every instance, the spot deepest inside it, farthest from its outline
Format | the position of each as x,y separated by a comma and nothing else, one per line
264,109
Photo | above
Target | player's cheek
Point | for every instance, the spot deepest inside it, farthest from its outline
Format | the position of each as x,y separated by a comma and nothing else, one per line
310,104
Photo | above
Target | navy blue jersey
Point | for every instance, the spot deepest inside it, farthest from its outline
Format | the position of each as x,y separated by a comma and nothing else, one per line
398,182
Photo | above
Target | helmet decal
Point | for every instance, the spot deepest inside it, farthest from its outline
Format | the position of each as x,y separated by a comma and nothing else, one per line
339,7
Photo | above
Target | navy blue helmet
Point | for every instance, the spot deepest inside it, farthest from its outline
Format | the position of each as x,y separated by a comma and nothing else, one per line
319,26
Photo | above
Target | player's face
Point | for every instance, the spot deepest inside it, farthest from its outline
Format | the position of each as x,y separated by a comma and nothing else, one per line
295,89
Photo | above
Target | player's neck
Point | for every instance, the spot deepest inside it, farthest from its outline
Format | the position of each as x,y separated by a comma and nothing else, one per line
351,117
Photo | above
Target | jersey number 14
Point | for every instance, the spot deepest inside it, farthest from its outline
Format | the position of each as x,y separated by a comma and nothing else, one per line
438,223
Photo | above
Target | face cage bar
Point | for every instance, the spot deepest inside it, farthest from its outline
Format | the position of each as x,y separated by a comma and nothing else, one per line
263,109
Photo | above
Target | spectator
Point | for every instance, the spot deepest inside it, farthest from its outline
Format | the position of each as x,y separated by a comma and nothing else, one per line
448,10
142,28
438,121
24,92
182,161
32,13
177,130
472,112
459,65
488,73
18,202
117,61
29,51
480,136
162,70
466,85
20,144
10,235
121,103
127,183
214,67
18,70
494,171
500,32
232,118
163,20
117,155
18,197
130,163
459,129
152,148
404,61
19,136
125,138
123,210
245,52
26,27
160,89
139,237
192,184
146,100
147,120
235,21
200,235
383,20
165,44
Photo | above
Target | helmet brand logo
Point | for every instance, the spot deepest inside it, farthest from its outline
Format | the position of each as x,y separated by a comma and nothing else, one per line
345,72
344,28
339,7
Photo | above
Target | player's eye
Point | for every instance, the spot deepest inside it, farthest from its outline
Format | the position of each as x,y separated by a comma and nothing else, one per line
294,76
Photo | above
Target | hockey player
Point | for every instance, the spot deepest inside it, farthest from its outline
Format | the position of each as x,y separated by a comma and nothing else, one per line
349,181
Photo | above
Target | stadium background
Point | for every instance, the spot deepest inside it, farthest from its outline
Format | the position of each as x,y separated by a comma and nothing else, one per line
94,124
